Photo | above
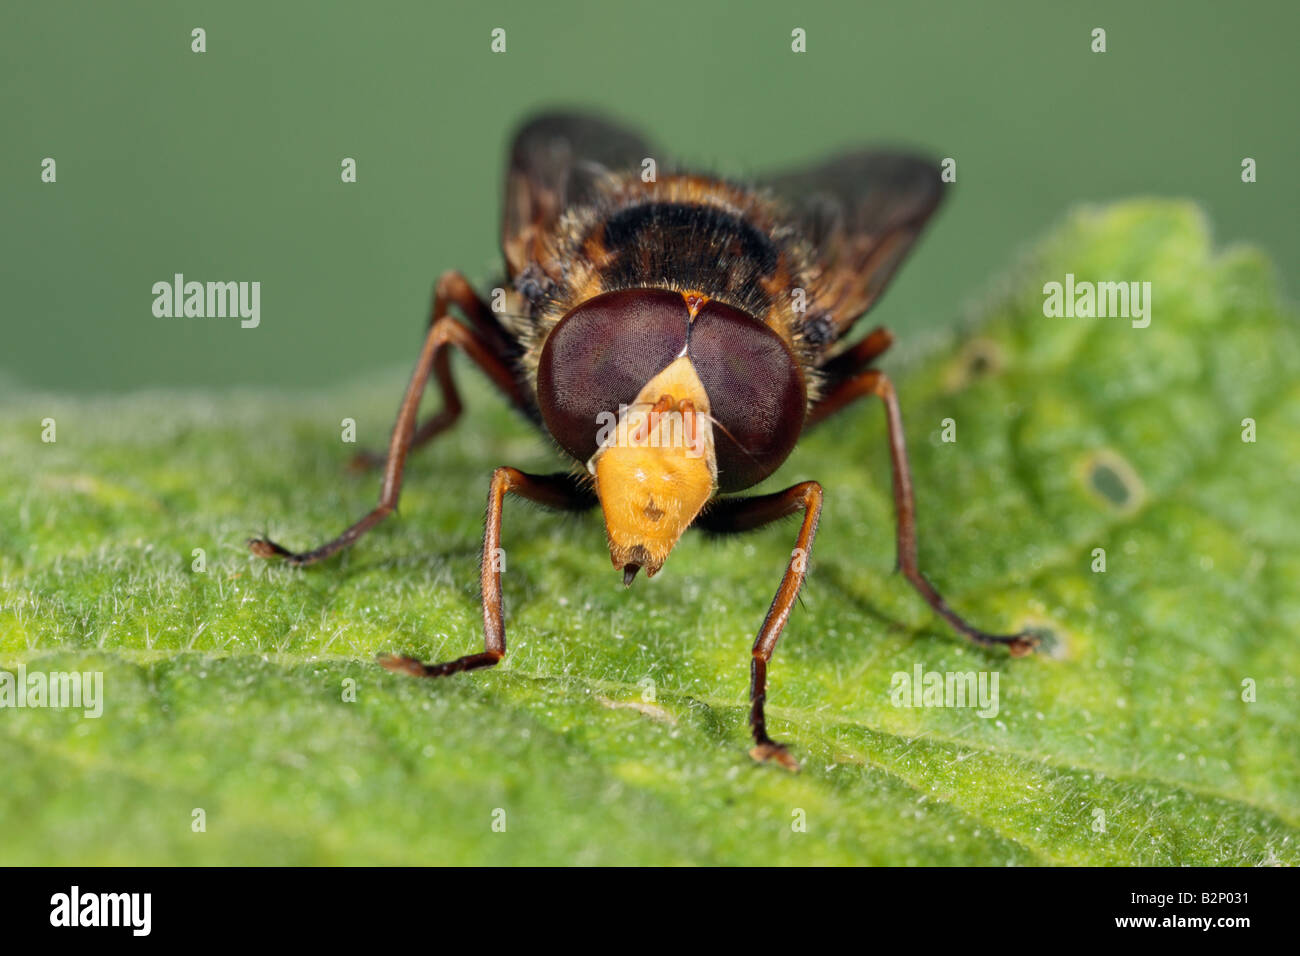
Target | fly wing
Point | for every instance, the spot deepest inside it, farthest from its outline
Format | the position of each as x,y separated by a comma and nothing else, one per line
556,161
861,212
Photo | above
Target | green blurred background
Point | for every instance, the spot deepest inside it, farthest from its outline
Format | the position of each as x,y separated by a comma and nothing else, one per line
225,165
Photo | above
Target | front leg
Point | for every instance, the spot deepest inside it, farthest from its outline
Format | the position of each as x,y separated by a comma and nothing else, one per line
734,515
562,492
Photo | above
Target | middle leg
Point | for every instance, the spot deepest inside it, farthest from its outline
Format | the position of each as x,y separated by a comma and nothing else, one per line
444,333
875,382
452,288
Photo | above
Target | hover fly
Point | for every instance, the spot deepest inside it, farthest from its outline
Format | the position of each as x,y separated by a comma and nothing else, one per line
685,305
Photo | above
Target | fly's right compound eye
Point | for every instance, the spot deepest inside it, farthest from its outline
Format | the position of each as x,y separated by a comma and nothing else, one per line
601,355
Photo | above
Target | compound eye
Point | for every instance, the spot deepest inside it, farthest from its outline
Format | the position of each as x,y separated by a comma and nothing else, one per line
756,393
601,355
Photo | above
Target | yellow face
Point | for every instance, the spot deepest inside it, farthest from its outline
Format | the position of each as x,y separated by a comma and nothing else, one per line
656,469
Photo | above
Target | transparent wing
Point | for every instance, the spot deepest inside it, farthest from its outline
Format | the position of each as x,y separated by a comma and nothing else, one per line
555,161
862,212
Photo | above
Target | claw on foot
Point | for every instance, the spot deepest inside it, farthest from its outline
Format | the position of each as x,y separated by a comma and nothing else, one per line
401,665
1022,645
266,549
770,750
1017,645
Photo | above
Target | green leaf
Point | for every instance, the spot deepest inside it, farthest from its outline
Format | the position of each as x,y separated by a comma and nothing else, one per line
224,689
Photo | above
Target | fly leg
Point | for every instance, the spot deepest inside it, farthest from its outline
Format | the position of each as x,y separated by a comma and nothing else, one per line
444,332
561,492
857,357
736,515
874,382
451,289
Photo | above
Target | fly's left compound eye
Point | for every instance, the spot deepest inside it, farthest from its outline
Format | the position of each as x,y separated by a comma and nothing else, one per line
756,393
